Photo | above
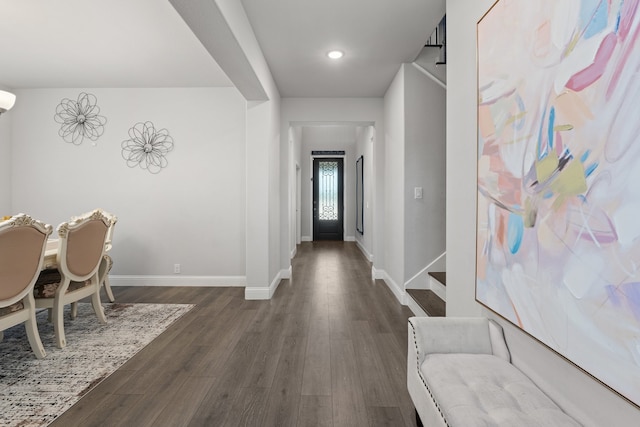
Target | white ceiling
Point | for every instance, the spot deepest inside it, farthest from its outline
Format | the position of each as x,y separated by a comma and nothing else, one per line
108,43
376,36
145,43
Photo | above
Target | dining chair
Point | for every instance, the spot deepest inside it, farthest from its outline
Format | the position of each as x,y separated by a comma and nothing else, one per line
107,263
81,247
23,241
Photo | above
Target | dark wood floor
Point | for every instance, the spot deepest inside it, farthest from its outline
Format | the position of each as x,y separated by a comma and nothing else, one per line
329,349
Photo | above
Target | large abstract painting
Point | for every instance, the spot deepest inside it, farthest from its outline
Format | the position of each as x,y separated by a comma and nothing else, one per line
558,244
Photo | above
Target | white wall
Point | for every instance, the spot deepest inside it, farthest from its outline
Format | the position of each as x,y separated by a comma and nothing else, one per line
425,166
297,166
331,137
263,221
266,251
415,119
257,216
365,135
5,164
263,198
585,398
427,61
191,213
276,175
394,119
295,190
461,155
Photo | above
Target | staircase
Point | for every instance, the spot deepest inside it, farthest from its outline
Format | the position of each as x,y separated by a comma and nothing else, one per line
430,302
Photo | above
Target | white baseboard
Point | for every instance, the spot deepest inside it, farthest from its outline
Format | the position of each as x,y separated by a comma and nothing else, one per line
178,280
286,273
393,286
261,292
397,290
293,253
256,293
364,251
310,239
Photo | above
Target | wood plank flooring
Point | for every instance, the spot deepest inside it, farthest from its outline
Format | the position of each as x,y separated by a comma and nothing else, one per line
329,349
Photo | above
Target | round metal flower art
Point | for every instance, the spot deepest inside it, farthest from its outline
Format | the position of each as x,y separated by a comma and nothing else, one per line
147,147
80,119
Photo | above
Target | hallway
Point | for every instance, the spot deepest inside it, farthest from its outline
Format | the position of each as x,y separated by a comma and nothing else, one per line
329,349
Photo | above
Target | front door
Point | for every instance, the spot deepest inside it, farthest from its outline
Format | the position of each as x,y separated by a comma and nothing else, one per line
328,190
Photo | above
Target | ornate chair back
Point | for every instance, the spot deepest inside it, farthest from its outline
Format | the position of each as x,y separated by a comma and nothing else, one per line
107,263
23,241
81,247
112,223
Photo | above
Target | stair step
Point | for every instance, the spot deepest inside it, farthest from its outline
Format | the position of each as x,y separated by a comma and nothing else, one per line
440,276
431,303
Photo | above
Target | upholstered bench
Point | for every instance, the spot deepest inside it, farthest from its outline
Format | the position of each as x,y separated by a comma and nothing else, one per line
459,375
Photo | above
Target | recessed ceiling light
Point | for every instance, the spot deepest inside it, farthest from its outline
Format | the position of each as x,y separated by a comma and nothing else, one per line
335,54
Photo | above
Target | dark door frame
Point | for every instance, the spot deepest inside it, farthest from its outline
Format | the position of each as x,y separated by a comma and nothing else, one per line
317,233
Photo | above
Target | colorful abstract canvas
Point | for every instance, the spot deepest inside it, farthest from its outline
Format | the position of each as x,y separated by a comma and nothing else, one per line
558,231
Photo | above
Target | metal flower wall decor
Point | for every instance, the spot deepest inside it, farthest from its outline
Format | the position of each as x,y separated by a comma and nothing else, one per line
147,147
79,119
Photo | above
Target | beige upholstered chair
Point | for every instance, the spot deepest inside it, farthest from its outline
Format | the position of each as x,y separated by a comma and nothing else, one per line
107,262
23,241
80,250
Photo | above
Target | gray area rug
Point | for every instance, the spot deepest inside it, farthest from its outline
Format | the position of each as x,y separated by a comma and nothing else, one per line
34,392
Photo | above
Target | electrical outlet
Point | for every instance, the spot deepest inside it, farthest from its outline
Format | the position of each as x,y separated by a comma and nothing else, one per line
176,268
417,192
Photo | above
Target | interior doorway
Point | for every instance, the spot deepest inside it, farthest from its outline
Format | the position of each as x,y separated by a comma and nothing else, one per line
328,199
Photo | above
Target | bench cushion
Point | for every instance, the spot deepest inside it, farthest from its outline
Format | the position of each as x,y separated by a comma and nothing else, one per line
485,390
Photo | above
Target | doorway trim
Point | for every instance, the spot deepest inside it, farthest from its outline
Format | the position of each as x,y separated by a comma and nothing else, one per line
341,156
326,156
